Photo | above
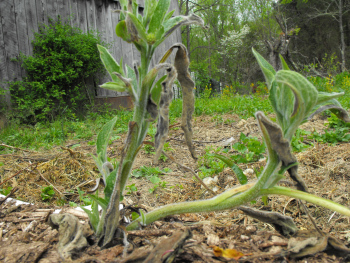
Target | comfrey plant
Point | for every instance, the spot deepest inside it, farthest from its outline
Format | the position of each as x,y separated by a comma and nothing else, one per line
151,101
294,100
292,96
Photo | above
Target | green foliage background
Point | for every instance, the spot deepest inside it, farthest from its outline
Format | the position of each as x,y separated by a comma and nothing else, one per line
63,58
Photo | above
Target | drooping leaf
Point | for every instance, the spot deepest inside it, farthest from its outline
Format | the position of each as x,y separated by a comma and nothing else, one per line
328,102
277,144
283,224
174,23
181,64
163,118
230,163
325,97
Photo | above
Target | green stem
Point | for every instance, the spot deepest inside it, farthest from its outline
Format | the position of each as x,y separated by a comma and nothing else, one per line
228,199
237,196
280,190
140,113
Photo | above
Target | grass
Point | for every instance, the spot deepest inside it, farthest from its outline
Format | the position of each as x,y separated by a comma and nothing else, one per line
45,135
245,106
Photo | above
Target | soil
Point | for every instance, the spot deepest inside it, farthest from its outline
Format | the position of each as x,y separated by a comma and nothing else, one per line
25,235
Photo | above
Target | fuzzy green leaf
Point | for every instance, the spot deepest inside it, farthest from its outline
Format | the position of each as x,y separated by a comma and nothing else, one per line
149,79
130,73
93,216
123,3
110,64
158,16
115,86
110,184
150,6
122,32
174,23
103,137
156,90
334,106
305,98
266,67
169,15
284,64
138,25
100,201
230,163
325,96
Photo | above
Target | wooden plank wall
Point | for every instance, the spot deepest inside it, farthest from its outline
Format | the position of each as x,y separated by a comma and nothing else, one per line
20,19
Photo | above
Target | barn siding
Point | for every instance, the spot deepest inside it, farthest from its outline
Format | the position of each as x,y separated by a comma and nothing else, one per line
20,19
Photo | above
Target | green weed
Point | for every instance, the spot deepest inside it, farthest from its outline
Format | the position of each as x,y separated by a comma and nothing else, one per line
297,142
47,193
6,191
131,189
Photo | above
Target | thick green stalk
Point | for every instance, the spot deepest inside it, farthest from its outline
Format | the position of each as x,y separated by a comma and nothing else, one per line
229,199
280,190
140,112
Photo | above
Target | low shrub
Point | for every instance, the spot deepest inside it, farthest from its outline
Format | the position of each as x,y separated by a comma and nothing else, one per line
63,58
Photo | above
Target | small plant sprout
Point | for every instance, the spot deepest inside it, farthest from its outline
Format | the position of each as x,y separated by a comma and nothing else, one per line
294,100
151,99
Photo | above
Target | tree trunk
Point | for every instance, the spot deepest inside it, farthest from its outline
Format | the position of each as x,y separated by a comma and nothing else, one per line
188,31
342,41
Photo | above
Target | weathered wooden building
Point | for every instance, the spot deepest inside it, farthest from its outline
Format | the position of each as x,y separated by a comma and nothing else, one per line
19,19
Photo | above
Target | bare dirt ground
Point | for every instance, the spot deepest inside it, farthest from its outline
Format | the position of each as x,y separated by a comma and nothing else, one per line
25,235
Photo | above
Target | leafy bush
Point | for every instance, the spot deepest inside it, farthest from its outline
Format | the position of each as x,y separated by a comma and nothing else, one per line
63,57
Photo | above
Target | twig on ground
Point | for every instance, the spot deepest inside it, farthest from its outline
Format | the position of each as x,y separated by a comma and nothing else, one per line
310,217
17,173
16,148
